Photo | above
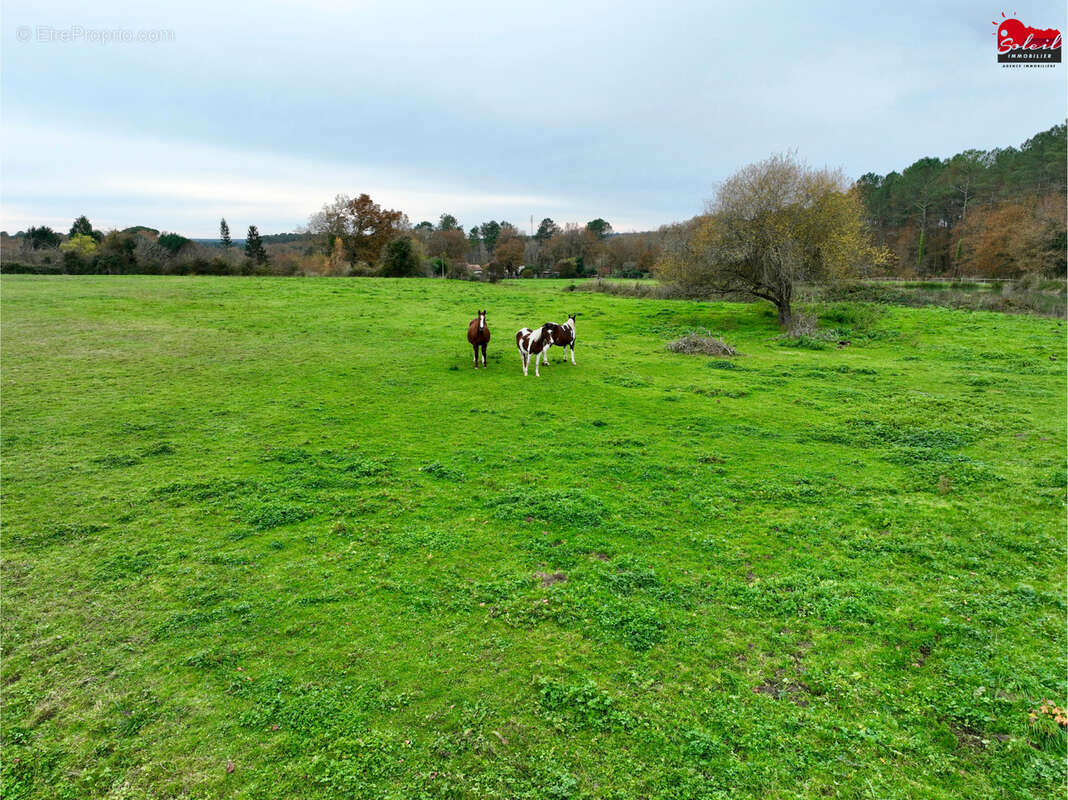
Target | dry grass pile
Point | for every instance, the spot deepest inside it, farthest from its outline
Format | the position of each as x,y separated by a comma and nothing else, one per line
701,343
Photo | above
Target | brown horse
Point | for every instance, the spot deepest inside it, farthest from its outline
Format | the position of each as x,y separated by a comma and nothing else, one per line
478,335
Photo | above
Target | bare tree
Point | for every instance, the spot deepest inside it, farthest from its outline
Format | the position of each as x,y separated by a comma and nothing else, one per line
771,225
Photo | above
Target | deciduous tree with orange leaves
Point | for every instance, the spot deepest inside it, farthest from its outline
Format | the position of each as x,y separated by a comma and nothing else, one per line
363,226
1008,240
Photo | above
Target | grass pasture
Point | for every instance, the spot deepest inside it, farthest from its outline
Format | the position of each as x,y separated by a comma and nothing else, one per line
275,538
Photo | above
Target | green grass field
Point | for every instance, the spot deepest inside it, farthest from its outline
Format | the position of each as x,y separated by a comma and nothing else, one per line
275,538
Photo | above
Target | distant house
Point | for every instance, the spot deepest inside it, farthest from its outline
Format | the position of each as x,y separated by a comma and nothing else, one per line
475,270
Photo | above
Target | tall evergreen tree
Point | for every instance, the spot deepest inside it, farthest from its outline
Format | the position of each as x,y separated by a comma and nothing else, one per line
599,227
489,232
83,227
254,246
546,230
224,234
42,236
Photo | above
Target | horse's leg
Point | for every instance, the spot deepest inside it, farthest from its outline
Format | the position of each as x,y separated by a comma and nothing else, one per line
526,360
476,355
572,346
537,360
483,355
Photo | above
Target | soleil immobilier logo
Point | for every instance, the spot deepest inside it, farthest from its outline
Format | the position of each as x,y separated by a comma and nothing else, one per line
1018,42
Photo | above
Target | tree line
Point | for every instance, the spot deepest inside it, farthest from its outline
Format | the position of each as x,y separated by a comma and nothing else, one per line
996,213
993,213
356,236
135,250
347,237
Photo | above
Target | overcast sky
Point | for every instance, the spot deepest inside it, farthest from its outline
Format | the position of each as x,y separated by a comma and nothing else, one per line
628,111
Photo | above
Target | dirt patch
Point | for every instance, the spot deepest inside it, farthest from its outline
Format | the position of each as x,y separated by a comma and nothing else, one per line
921,659
968,737
549,578
772,688
600,556
781,686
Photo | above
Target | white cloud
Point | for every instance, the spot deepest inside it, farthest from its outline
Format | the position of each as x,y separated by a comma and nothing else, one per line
488,110
121,181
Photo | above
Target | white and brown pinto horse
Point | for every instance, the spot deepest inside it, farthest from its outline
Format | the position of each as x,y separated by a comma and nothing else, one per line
563,336
534,343
478,335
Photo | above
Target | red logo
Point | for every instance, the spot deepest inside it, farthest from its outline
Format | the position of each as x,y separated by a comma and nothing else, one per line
1019,42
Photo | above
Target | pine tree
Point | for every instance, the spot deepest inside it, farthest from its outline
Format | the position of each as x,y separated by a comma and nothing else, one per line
599,227
254,246
224,234
83,227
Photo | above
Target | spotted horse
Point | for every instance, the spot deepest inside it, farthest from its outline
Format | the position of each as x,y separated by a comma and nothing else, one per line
534,343
563,336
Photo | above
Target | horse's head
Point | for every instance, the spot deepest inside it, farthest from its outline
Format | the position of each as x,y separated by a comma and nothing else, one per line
546,333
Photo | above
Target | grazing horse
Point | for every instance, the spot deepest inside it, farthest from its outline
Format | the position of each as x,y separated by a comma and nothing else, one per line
563,336
533,343
478,335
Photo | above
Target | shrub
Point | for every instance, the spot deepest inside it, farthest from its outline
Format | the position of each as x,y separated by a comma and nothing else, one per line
361,269
656,291
568,268
457,270
401,259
